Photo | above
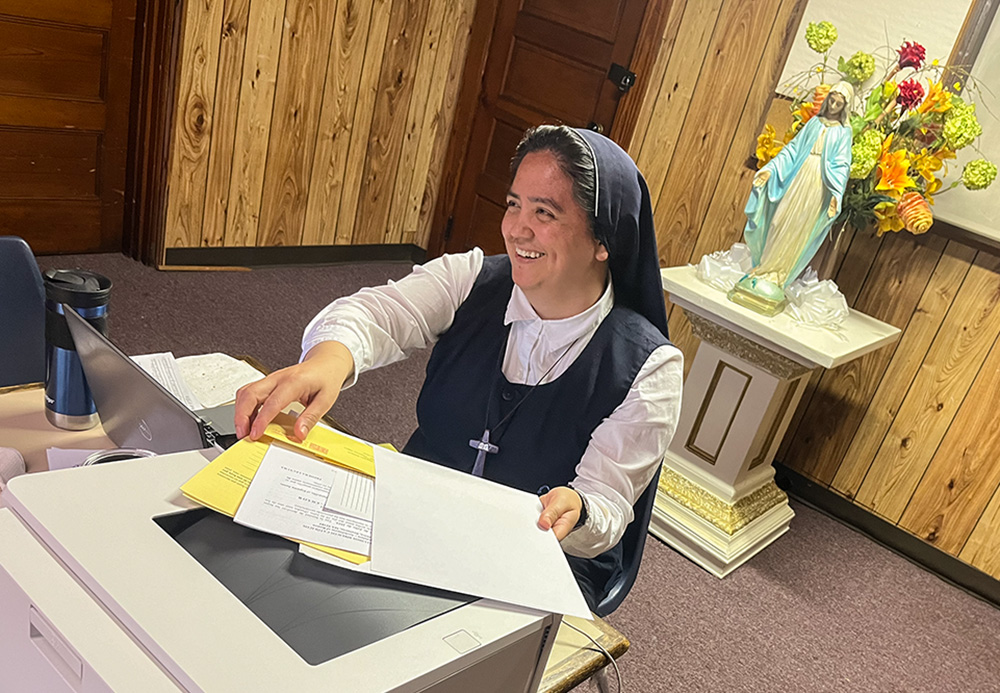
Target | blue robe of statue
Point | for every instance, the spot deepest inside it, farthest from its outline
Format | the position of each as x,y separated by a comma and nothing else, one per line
764,200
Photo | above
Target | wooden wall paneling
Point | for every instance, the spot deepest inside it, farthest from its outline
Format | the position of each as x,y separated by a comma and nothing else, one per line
454,31
413,133
673,92
305,50
195,109
227,97
897,279
704,142
954,359
438,124
964,473
336,121
982,550
361,128
651,88
862,248
253,122
657,34
920,333
725,219
389,120
484,20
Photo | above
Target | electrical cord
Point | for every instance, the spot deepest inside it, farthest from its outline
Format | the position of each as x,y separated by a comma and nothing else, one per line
618,673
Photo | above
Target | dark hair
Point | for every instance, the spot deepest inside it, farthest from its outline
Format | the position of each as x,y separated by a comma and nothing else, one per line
574,157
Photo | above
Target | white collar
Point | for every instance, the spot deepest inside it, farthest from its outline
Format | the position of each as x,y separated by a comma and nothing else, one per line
564,330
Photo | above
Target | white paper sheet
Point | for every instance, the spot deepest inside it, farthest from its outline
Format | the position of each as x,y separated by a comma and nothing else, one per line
163,368
287,497
215,378
352,494
442,528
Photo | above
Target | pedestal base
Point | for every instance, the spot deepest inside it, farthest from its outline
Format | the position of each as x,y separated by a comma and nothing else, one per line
717,535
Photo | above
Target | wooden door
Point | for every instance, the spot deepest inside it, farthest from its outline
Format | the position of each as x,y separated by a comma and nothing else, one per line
548,62
65,82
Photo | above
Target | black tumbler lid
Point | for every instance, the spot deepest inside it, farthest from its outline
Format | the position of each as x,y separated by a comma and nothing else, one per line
79,288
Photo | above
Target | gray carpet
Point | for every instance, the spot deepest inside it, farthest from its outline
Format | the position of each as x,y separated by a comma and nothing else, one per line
822,609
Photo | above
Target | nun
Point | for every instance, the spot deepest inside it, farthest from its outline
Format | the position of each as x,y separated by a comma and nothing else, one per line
551,368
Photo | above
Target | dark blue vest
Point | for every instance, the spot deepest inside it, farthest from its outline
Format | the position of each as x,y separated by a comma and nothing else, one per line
542,443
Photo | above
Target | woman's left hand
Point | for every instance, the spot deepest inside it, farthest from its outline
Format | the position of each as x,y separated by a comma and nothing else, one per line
560,510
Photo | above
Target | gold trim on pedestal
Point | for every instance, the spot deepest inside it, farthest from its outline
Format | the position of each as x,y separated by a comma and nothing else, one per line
744,348
730,518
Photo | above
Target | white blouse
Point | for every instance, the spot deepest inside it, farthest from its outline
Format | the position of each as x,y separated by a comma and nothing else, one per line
382,325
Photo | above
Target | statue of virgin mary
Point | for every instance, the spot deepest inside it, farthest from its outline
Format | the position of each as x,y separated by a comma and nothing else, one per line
794,201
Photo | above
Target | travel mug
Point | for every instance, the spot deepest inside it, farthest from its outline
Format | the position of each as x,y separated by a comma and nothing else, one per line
68,403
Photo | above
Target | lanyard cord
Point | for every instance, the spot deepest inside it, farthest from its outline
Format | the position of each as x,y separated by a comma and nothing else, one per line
499,372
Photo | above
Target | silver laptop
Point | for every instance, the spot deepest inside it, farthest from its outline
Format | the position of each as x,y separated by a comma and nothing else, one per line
135,410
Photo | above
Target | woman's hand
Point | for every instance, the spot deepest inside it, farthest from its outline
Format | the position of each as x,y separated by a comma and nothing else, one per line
761,178
315,382
560,510
832,211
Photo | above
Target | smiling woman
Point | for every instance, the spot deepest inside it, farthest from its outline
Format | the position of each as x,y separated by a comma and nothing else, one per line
551,370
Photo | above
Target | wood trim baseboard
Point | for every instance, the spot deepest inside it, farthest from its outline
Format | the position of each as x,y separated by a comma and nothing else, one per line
944,565
241,258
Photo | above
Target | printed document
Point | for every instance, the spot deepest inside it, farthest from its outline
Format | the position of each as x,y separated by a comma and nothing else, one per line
289,495
215,378
163,368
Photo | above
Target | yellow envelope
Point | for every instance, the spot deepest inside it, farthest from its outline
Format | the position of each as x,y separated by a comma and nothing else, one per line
327,444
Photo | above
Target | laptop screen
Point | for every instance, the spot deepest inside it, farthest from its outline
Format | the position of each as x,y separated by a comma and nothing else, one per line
135,410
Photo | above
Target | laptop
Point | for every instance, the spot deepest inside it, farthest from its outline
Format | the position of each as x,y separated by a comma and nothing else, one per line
135,410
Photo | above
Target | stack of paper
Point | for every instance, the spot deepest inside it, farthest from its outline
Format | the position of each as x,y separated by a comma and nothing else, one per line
202,381
324,499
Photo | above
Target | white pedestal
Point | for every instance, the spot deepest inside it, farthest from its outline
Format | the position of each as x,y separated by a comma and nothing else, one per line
717,502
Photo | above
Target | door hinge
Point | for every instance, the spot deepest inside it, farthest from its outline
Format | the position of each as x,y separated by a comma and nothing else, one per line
448,227
622,77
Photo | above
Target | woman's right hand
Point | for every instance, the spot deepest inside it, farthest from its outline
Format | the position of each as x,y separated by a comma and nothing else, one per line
315,383
761,178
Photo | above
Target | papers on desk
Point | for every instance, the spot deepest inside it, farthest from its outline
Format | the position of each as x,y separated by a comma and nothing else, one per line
202,381
420,522
288,497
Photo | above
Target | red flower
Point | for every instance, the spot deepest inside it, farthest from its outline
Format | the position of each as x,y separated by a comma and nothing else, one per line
910,94
911,55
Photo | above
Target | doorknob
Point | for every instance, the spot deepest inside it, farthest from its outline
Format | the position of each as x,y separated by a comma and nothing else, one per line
596,127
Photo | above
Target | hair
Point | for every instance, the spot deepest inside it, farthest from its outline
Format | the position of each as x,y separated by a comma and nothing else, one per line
574,157
844,116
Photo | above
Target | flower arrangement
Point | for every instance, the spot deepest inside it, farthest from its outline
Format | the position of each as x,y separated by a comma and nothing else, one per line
907,125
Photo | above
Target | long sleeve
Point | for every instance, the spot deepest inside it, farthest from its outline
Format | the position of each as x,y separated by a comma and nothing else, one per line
382,325
625,451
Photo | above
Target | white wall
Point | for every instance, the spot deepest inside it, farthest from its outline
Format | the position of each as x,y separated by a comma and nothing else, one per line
879,27
979,211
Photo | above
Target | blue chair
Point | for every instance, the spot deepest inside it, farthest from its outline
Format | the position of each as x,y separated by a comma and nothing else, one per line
633,542
22,314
